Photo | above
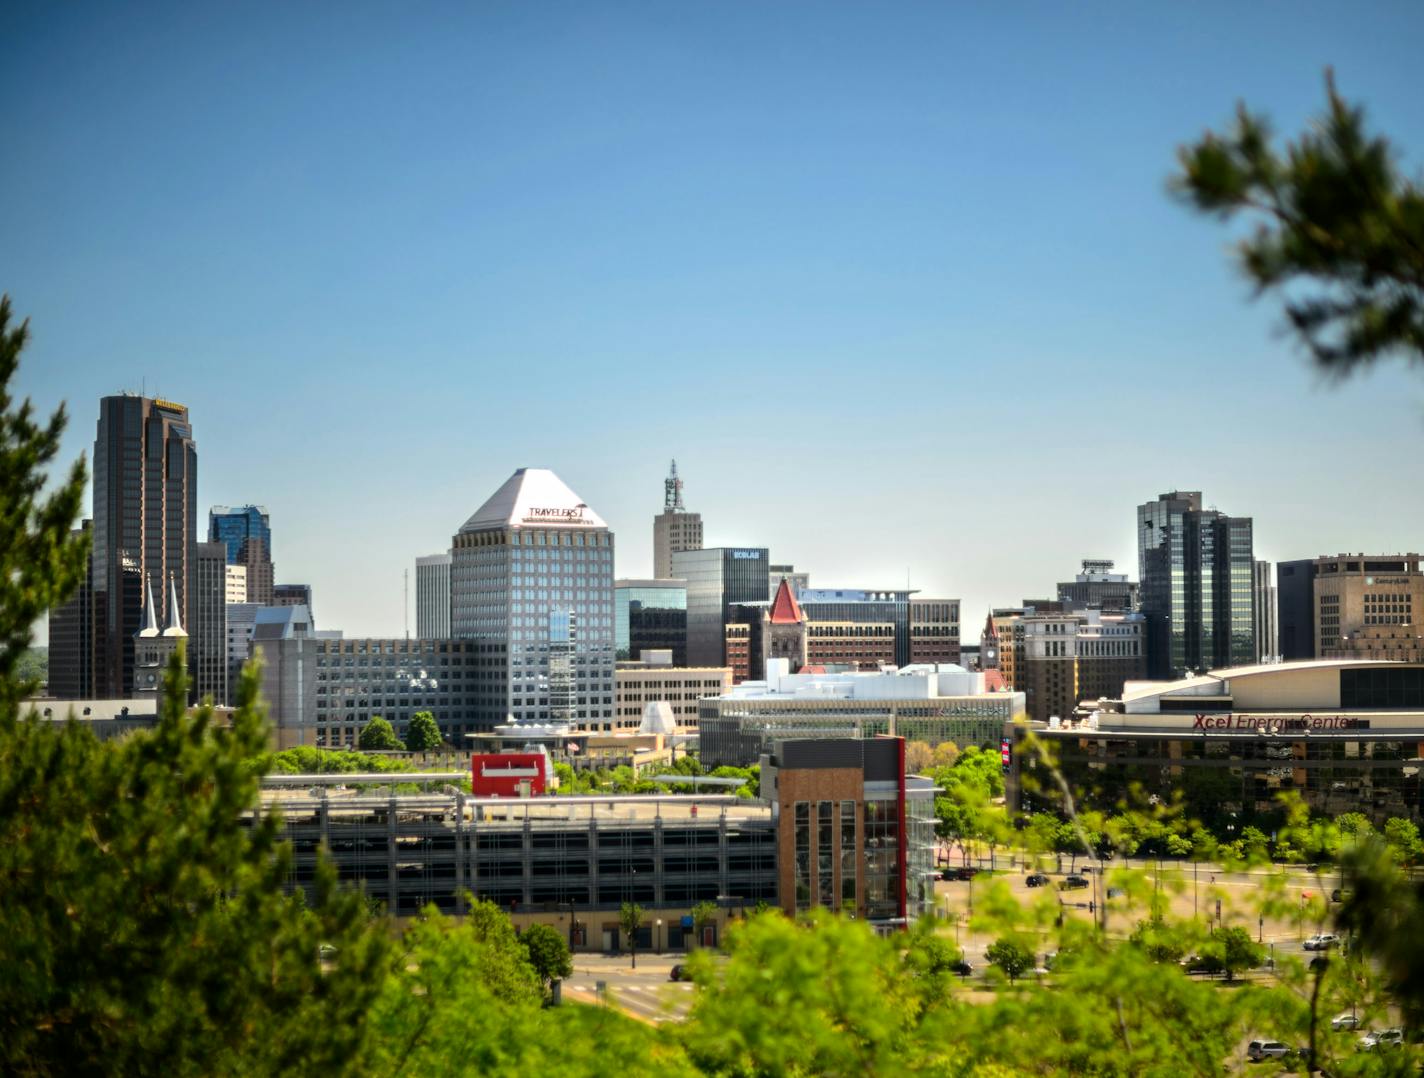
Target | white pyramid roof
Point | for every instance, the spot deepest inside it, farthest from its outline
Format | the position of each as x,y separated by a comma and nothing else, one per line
657,718
533,497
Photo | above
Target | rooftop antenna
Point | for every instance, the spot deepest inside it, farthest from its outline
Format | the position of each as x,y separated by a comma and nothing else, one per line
405,602
672,491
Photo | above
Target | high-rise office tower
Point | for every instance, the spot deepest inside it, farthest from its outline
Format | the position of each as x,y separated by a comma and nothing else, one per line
674,529
650,615
1197,571
1098,586
146,524
432,597
207,645
717,580
71,638
1325,601
1295,609
246,532
531,580
1267,649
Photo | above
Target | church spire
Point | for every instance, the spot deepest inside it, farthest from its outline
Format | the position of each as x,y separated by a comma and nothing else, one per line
175,623
150,616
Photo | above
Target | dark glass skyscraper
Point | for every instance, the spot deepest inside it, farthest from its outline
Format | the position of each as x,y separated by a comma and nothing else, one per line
650,615
234,526
146,524
1197,586
718,579
246,532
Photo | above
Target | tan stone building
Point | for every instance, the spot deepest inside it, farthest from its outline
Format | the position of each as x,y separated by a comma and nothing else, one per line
638,684
1057,660
1402,643
674,529
1365,592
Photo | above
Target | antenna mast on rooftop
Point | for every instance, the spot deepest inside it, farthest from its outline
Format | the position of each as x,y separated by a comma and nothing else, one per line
672,491
405,603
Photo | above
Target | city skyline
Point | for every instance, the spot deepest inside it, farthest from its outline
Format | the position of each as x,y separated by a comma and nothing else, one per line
918,276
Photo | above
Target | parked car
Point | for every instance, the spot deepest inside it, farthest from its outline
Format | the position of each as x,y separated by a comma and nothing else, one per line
679,973
1258,1051
962,968
1322,942
1339,894
1073,883
1344,1021
1115,892
1389,1038
1036,879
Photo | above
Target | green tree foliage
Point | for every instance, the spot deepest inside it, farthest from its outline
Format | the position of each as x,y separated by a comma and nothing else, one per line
630,919
1339,232
821,996
1160,940
33,667
1402,837
378,736
1234,950
146,922
307,760
463,998
548,953
1383,915
1011,956
703,914
40,563
423,734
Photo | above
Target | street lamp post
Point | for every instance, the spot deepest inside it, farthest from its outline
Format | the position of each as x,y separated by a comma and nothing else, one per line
658,942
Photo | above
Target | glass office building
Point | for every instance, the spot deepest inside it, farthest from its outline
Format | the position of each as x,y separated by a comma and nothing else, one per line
650,614
718,579
1197,570
531,573
234,526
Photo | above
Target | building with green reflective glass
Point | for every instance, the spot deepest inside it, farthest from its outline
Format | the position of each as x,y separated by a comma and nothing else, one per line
1198,593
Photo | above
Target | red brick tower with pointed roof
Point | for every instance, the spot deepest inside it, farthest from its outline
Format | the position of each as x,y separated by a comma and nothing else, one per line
784,631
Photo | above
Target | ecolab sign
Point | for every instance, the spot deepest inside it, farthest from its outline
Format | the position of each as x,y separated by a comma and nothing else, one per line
1275,723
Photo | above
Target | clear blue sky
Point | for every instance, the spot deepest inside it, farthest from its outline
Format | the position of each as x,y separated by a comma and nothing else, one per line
898,284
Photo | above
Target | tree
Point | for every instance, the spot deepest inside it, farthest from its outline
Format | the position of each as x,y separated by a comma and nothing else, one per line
919,757
378,736
630,919
147,920
40,562
820,995
1011,956
703,914
1402,837
548,953
1234,950
1159,940
1332,212
422,734
945,753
